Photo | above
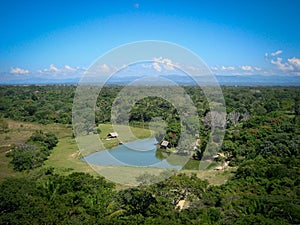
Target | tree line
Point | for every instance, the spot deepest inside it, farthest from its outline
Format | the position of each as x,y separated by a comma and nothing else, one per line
264,118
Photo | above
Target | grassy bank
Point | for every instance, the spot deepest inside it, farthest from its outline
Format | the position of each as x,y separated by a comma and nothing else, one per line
124,136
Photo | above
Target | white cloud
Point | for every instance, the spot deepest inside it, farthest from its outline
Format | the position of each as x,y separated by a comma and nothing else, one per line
276,53
168,64
257,68
247,68
157,67
191,68
159,59
104,68
286,66
295,62
282,66
223,68
238,70
18,70
66,71
53,68
69,68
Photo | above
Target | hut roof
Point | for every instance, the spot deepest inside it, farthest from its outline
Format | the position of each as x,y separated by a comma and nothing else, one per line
113,134
164,143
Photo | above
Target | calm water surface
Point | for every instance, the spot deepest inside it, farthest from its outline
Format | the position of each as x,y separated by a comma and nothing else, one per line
142,152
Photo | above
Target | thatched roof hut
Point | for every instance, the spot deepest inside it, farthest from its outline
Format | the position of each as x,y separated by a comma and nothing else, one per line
165,144
113,135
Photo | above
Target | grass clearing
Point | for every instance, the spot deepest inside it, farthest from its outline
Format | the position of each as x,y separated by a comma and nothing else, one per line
124,134
214,177
93,142
65,157
6,170
126,175
18,132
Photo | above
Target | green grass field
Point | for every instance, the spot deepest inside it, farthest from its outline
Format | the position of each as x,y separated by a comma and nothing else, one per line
18,133
65,157
124,136
5,169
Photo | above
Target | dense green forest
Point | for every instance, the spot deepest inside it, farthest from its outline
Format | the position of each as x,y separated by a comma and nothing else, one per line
262,140
263,191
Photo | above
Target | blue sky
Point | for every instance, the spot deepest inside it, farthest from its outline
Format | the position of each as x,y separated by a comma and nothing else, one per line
61,38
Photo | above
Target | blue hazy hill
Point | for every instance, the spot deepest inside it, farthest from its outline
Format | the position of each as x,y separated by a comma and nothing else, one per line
253,80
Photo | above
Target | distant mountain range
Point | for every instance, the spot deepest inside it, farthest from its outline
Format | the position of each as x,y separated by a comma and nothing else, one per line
259,80
251,80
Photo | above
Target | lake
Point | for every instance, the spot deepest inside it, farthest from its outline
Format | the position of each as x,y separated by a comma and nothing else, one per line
142,152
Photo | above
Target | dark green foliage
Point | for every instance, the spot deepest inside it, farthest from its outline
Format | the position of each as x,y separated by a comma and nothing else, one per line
267,188
52,199
33,154
264,191
136,201
297,106
26,157
43,104
46,141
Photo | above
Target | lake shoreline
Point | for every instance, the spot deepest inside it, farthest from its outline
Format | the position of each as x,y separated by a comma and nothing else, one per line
139,153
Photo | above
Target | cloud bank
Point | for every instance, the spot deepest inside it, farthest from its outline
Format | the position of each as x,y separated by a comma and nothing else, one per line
18,70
